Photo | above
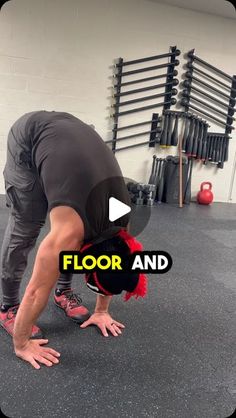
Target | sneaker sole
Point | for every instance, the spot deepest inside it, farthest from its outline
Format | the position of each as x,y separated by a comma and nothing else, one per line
77,321
35,337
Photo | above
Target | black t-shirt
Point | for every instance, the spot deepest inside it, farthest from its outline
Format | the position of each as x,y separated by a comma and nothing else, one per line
76,169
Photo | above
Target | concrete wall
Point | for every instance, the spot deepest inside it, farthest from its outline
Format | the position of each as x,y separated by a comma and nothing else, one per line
58,55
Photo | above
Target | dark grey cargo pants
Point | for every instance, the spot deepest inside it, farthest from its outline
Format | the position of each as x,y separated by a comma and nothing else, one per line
27,213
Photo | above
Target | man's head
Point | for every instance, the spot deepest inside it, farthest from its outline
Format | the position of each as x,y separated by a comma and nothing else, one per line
105,283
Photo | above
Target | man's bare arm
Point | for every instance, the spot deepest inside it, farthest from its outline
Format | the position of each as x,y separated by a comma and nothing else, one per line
102,304
66,234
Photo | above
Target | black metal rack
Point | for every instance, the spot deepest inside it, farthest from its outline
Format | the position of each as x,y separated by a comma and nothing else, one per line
218,102
119,107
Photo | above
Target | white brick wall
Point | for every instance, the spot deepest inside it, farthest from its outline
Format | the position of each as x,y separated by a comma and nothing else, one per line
27,66
12,81
59,58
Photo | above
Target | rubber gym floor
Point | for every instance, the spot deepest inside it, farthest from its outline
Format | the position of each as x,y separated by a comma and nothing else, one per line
176,357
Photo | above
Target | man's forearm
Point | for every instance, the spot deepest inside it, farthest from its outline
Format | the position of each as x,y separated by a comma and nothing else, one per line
102,303
30,309
36,296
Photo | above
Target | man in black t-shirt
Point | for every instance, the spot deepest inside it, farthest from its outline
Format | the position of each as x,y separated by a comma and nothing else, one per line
57,164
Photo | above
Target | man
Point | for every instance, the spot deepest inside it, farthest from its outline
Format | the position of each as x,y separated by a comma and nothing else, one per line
58,164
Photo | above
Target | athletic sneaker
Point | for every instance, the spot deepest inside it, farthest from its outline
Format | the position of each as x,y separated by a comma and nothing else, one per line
7,320
71,304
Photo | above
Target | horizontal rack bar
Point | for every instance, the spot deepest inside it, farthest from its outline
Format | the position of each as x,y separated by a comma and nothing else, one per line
212,67
154,67
196,69
135,145
145,98
208,115
140,109
153,57
142,80
158,130
156,86
135,125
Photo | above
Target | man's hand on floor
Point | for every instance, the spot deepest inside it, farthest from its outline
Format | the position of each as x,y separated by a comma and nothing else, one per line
105,323
33,352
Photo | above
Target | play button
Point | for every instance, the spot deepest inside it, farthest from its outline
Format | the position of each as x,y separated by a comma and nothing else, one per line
117,209
109,207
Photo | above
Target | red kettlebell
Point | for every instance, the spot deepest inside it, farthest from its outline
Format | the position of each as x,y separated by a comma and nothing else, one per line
205,196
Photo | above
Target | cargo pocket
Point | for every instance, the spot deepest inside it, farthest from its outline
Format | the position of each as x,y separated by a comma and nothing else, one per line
20,200
25,195
21,179
9,195
23,160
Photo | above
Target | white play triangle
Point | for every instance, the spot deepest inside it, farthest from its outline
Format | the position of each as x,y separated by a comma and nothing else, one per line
117,209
